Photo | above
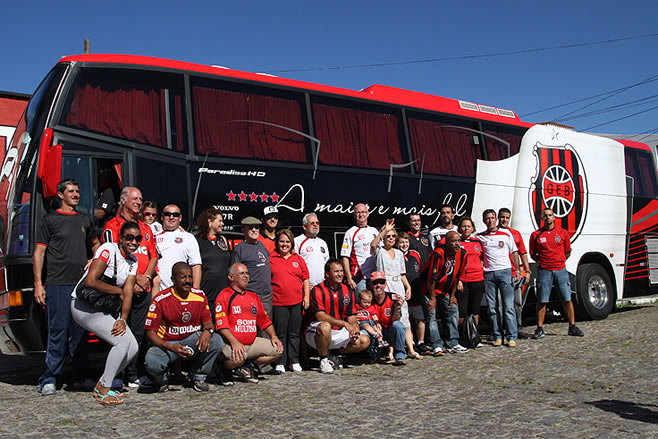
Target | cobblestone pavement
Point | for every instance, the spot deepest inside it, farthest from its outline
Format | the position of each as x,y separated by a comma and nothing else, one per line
604,385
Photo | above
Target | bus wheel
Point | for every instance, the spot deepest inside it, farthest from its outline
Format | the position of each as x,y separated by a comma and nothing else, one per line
595,292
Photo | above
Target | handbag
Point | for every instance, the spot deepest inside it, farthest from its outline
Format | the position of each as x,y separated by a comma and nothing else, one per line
469,336
104,302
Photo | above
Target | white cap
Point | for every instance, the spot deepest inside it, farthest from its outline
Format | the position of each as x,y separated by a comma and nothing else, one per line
270,210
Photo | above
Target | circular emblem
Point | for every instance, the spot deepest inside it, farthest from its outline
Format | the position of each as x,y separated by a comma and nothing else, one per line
558,239
346,300
295,264
178,240
387,312
558,193
222,244
218,308
152,307
501,244
424,241
254,310
323,250
186,316
147,236
262,257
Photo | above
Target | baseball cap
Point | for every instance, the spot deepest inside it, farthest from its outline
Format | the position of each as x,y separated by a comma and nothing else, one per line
377,275
269,210
250,221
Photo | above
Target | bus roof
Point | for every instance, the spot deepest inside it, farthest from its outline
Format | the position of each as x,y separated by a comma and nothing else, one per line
633,144
376,92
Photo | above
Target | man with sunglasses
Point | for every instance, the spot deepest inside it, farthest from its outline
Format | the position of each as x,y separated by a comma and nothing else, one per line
390,312
147,259
176,245
270,221
312,249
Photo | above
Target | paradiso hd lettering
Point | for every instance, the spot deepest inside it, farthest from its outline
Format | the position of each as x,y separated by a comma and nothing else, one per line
232,172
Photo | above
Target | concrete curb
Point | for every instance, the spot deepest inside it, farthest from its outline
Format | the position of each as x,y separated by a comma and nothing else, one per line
638,300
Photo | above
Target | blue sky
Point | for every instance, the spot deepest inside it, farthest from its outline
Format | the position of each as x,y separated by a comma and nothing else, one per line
268,36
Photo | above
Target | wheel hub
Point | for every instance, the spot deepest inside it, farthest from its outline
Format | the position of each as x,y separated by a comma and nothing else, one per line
597,291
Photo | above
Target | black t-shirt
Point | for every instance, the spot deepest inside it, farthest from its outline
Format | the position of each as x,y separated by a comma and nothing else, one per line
215,260
66,236
413,266
422,245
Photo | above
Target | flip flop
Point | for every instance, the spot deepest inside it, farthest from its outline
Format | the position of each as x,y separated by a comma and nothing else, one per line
101,399
415,356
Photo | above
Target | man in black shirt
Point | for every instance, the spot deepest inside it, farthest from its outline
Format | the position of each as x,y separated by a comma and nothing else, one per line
63,238
418,240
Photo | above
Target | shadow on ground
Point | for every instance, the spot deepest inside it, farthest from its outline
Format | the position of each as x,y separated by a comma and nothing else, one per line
628,410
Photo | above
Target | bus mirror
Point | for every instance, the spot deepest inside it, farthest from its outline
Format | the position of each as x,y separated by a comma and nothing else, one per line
46,138
52,171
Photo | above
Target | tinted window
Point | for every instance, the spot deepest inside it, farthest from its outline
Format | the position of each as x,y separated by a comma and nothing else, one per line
639,165
497,138
164,183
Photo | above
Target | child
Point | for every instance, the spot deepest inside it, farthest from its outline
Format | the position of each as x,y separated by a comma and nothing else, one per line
366,312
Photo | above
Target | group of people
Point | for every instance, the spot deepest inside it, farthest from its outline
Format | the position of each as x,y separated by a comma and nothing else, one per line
157,294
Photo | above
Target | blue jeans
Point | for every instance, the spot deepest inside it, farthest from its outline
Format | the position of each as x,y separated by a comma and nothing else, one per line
545,281
433,327
394,335
64,335
361,285
501,280
450,314
158,360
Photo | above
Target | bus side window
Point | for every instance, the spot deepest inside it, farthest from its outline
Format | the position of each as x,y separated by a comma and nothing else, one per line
639,165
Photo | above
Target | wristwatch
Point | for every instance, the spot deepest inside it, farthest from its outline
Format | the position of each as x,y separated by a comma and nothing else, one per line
210,330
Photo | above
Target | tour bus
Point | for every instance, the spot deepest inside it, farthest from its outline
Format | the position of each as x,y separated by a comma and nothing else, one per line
203,136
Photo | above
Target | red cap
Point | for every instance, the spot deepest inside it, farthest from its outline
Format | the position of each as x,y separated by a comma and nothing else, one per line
377,275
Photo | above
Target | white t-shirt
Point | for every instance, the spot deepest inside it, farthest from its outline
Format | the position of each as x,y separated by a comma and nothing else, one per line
356,247
393,269
156,228
175,246
496,248
315,253
439,232
108,253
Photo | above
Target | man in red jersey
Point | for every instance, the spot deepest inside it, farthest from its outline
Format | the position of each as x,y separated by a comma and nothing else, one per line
389,313
238,315
550,247
147,260
179,325
334,322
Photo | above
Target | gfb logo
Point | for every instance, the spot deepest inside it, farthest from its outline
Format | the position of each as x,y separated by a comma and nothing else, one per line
559,184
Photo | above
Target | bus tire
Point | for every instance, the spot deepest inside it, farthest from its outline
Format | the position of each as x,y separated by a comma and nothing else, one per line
596,295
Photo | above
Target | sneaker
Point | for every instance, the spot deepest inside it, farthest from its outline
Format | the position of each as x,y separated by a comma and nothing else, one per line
280,369
437,352
226,377
134,383
574,331
326,366
539,333
479,345
48,389
296,367
336,361
457,349
200,386
422,348
242,374
511,343
498,342
399,362
253,374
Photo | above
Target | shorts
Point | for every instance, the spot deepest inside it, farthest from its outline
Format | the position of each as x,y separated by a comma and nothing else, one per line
339,337
545,281
261,347
416,312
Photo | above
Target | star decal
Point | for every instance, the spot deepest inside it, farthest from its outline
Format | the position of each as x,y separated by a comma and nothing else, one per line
264,197
243,196
253,197
275,197
231,196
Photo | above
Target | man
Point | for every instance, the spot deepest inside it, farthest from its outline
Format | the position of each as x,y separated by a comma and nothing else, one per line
176,245
312,249
497,245
446,216
504,216
238,312
389,313
449,265
270,221
147,259
252,253
179,325
334,322
358,261
418,240
550,247
64,238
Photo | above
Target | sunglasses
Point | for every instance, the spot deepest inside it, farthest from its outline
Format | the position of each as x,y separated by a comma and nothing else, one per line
252,226
378,282
314,223
130,237
391,236
174,214
150,214
269,217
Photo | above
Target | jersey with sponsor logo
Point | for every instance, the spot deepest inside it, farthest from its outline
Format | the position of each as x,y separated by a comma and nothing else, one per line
385,310
421,243
550,247
518,240
315,253
175,246
174,318
240,313
437,234
339,304
474,257
146,250
497,246
356,247
447,270
288,276
116,265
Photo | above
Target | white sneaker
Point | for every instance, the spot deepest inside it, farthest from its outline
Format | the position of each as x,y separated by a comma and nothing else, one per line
325,366
437,352
458,349
48,389
281,368
296,367
134,384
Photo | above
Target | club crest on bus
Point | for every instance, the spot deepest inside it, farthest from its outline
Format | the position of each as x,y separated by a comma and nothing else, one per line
559,184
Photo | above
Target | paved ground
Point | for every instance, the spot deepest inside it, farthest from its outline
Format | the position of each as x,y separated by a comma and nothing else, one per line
604,385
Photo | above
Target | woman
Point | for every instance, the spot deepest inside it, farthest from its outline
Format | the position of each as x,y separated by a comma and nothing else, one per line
150,215
118,262
291,290
471,286
215,253
390,261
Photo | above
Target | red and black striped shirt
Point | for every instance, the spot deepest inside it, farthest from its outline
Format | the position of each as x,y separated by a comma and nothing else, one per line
447,271
339,303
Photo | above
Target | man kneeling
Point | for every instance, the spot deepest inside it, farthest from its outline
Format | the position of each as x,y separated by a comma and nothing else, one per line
335,323
179,324
238,314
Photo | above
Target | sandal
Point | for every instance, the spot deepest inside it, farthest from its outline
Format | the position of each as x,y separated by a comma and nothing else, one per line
390,357
101,399
415,356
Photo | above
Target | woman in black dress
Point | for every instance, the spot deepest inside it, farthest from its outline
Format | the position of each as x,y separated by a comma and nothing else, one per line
215,253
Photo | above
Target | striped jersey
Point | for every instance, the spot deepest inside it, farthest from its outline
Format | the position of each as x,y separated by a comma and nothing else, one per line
446,270
339,304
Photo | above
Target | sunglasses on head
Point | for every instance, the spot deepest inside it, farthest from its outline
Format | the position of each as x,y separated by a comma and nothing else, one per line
174,214
130,237
150,214
378,282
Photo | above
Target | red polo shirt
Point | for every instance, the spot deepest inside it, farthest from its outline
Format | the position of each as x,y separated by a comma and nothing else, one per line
386,310
550,247
288,276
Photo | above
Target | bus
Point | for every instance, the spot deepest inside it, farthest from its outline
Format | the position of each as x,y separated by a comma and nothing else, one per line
203,136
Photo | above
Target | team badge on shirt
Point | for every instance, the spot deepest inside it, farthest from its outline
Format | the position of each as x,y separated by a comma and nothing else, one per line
322,250
222,245
295,264
186,316
501,244
346,300
425,241
558,238
218,308
261,256
254,310
387,312
178,240
152,307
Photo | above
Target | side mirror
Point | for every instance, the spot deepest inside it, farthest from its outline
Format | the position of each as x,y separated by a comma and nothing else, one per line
49,169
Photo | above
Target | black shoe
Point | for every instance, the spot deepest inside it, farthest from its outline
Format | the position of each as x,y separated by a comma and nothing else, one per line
574,331
539,333
336,361
422,348
226,377
200,386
